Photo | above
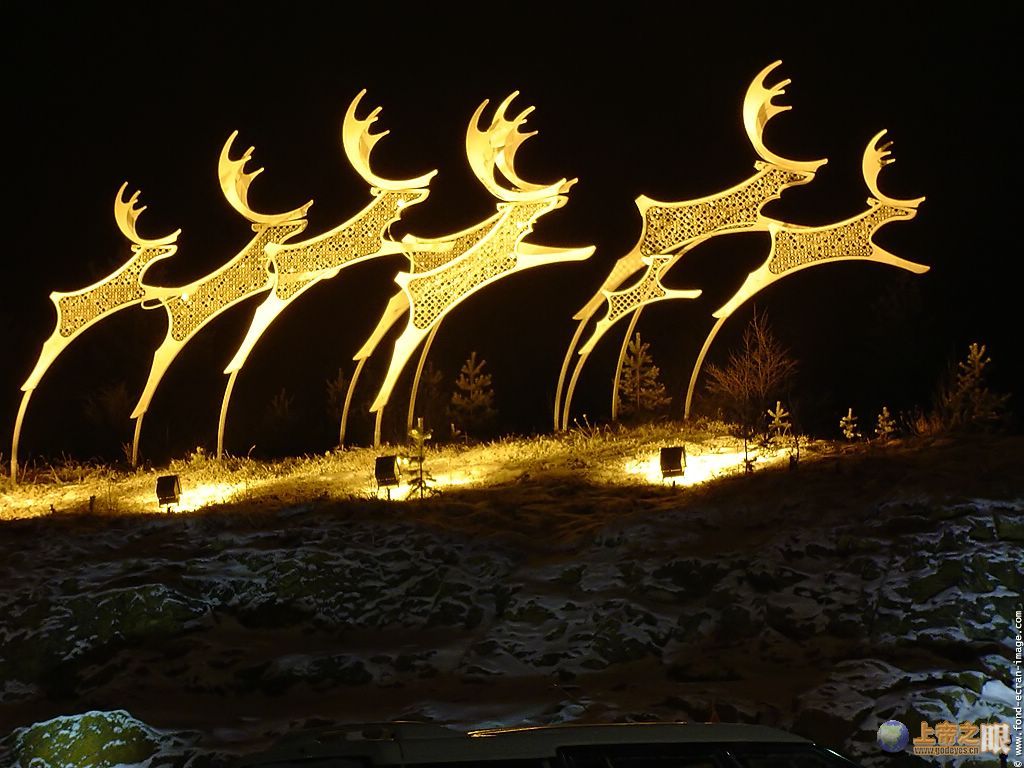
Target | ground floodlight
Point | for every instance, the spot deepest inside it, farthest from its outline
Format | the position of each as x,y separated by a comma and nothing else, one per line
673,461
387,473
168,490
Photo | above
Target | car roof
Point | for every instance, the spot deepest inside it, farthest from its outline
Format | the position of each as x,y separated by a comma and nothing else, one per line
406,743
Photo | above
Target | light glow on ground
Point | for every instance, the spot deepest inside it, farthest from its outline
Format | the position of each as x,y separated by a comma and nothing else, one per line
702,467
200,496
627,457
404,491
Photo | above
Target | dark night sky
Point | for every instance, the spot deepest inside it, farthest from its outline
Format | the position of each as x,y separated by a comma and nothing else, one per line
645,100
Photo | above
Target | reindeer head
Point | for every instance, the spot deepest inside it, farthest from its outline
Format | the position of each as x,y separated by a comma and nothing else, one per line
358,143
234,182
493,151
758,109
877,155
126,215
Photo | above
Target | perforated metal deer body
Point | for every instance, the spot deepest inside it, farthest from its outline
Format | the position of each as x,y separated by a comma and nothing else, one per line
191,307
794,247
455,267
79,310
299,266
671,230
445,271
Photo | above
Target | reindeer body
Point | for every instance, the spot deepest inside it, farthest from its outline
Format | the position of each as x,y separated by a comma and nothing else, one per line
676,228
794,247
299,266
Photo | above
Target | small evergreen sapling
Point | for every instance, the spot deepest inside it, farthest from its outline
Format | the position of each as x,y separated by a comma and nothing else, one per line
779,425
432,396
277,430
640,389
421,479
886,426
968,402
107,410
472,403
335,391
848,424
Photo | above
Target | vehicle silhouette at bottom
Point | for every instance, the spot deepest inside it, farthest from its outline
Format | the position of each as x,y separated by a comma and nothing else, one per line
626,745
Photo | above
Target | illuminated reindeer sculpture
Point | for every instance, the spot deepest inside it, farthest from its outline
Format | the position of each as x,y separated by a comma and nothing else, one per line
795,247
445,271
455,267
297,267
670,230
191,307
81,309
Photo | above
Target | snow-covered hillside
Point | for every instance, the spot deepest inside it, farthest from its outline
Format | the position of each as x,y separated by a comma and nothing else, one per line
545,587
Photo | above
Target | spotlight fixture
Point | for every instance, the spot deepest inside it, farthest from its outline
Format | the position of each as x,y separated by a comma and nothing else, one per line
673,461
387,473
168,490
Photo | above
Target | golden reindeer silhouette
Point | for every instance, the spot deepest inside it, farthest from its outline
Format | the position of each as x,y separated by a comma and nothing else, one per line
456,266
670,230
81,309
297,267
191,307
794,247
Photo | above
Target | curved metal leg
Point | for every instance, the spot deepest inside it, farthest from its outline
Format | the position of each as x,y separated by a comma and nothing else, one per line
565,369
376,426
348,401
699,363
572,388
416,379
618,366
224,413
17,434
135,440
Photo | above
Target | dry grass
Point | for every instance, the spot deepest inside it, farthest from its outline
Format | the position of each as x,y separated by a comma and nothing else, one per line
575,473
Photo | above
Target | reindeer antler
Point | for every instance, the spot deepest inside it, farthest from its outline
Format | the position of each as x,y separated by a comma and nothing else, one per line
506,140
234,182
876,156
495,148
758,109
126,215
358,143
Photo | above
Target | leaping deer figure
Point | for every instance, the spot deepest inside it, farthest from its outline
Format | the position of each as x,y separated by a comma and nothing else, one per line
191,307
297,267
474,258
81,309
671,230
795,248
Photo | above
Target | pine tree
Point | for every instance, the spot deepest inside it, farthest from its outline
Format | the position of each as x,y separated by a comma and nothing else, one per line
432,396
421,479
780,423
335,391
640,390
277,432
472,403
849,425
886,426
107,409
968,402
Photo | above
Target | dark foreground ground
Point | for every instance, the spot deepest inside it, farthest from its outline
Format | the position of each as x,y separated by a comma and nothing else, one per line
866,586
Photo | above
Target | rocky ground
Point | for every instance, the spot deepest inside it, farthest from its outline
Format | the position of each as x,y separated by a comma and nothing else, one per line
873,584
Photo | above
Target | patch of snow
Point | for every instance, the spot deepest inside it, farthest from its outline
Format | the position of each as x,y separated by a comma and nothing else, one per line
997,691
